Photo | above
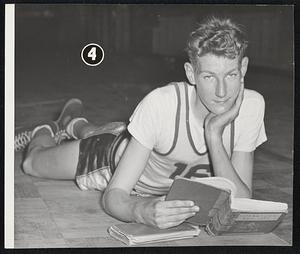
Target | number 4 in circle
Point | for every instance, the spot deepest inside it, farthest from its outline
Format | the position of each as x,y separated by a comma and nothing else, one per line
92,54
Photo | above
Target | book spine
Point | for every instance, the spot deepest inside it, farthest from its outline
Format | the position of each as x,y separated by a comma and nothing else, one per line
245,223
221,220
222,205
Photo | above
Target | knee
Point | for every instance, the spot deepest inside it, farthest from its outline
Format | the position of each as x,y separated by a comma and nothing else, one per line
27,166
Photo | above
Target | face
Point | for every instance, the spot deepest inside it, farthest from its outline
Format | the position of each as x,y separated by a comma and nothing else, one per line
217,80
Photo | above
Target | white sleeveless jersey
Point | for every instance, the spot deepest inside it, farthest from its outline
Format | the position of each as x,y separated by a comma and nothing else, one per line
164,123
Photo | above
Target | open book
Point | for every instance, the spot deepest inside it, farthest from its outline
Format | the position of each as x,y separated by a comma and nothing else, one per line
221,212
136,233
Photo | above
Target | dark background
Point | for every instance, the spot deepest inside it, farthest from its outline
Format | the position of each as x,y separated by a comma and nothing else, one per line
138,34
152,30
144,48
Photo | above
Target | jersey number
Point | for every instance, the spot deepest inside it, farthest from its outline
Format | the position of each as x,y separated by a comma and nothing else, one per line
201,170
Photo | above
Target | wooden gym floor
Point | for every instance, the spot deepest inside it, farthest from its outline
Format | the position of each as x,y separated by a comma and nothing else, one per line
52,213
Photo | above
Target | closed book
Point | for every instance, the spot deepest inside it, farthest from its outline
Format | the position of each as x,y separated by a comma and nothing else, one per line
207,197
136,233
221,212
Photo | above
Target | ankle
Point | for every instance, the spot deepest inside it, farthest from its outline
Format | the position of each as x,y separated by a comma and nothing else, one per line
86,130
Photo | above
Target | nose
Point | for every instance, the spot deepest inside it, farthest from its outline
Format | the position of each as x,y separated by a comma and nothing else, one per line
221,89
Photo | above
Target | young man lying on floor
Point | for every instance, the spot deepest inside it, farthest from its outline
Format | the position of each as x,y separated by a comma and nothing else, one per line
207,127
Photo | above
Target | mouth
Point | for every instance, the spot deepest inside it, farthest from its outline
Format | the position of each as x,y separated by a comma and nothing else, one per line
221,101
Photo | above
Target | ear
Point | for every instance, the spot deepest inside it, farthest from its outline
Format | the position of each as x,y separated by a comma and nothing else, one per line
244,66
189,72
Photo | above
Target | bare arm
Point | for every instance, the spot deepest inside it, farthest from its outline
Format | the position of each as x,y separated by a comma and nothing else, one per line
118,202
239,168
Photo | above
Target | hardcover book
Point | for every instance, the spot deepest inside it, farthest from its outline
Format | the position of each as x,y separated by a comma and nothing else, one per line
136,233
221,212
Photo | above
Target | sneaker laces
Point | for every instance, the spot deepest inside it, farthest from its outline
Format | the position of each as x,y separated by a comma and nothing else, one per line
22,140
60,136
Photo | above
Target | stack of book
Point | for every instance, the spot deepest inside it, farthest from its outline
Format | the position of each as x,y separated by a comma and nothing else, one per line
220,213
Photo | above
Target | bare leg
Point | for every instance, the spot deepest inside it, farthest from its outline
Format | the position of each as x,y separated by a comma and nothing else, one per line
84,129
48,160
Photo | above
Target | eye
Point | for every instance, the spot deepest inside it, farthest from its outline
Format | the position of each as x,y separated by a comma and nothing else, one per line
208,77
232,75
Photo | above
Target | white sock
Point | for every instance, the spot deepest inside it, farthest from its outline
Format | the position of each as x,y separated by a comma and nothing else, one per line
70,126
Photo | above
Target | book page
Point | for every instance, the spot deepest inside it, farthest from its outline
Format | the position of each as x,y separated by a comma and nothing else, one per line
253,205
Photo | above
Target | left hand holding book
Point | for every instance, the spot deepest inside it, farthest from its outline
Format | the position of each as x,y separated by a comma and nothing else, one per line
164,214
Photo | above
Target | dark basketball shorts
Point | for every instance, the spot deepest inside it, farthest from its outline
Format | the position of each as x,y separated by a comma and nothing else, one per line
96,162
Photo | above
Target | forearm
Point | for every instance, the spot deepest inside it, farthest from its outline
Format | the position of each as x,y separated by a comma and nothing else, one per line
123,206
223,166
